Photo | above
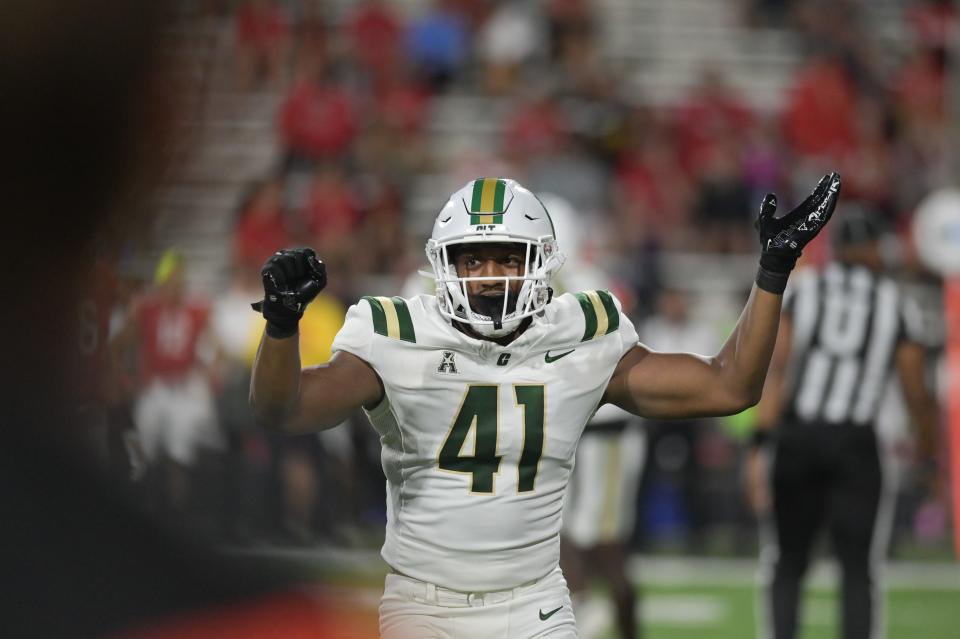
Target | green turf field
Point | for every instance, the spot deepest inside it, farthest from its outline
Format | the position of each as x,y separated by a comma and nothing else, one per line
683,598
727,612
689,598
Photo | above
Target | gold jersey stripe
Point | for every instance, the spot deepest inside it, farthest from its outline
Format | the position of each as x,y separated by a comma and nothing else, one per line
393,322
602,320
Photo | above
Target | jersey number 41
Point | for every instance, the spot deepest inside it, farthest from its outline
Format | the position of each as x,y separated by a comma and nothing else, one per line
480,409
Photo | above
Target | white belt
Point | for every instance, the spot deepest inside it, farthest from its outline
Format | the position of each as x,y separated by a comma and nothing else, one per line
438,595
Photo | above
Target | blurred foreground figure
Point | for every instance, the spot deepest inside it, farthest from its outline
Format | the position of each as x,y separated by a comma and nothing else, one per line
843,331
86,121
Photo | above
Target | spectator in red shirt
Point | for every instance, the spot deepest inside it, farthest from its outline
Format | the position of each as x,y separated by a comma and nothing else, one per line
263,42
819,115
707,117
316,119
932,22
174,411
374,34
331,213
920,87
868,169
401,103
653,193
261,228
314,37
535,128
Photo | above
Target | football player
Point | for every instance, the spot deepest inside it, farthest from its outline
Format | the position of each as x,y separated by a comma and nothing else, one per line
480,394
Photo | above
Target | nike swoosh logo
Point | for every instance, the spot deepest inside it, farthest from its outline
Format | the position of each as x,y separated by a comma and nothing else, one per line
530,218
544,617
550,360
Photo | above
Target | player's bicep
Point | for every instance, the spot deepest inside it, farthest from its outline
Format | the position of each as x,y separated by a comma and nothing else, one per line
669,385
330,392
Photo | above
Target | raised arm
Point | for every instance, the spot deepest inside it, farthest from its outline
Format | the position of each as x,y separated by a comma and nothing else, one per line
665,385
284,397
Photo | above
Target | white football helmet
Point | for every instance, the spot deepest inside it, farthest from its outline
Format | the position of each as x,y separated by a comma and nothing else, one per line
494,210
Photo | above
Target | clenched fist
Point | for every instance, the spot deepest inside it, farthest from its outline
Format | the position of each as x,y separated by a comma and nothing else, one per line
291,279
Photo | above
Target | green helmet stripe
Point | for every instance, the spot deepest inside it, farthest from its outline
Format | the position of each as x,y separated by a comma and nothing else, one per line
477,194
487,196
498,192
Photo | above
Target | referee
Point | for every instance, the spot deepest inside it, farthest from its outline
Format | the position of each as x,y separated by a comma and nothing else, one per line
842,332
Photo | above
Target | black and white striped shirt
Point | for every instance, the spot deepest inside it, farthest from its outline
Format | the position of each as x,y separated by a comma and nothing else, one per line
847,323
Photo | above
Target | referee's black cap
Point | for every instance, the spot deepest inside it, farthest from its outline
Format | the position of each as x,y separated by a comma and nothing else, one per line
855,226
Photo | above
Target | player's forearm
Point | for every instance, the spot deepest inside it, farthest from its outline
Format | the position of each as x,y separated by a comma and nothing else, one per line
744,359
769,406
275,382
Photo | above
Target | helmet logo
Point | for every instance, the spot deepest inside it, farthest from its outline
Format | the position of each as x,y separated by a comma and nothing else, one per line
486,203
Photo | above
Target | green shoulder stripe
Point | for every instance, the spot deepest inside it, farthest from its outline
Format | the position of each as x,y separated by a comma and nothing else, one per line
589,314
613,315
599,312
391,318
379,317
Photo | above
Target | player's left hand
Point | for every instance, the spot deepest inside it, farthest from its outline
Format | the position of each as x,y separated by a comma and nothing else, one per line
782,238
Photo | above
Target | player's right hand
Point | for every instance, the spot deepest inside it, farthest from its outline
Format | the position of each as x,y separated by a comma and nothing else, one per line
291,279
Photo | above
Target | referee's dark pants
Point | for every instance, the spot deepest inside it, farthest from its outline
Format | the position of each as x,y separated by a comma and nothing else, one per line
826,475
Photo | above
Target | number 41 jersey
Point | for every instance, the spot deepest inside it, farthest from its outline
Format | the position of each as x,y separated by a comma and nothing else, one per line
478,439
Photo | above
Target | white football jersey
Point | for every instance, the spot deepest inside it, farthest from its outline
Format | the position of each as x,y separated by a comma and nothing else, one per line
478,440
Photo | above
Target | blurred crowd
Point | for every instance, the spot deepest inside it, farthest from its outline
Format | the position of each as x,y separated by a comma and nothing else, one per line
645,180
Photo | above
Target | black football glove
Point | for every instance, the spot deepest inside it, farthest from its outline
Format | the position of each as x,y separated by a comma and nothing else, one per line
782,238
291,279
